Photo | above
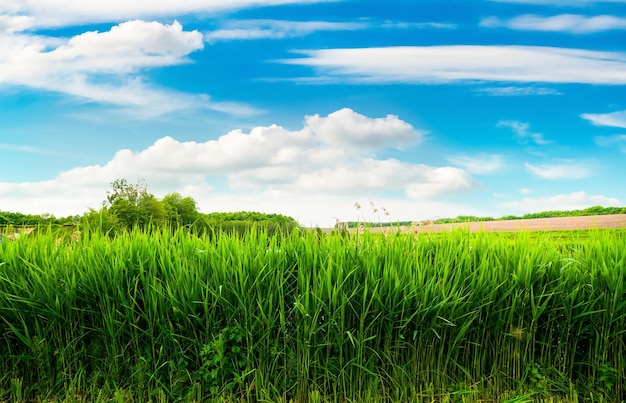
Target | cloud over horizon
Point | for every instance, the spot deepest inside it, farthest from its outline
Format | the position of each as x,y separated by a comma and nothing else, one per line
330,155
562,202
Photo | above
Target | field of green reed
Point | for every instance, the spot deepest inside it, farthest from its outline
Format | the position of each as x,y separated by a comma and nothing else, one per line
311,317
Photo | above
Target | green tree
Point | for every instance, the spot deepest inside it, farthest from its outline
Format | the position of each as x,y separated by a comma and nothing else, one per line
133,206
100,220
180,210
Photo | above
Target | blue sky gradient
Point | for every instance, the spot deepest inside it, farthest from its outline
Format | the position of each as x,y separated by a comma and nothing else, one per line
431,108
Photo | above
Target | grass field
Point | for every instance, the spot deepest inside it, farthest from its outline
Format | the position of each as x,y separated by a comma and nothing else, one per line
306,317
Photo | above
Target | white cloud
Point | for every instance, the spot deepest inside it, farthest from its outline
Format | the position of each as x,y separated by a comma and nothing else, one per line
417,25
613,119
28,149
440,182
525,191
10,24
106,66
458,63
279,29
522,132
328,161
512,91
618,140
560,171
347,128
57,13
572,23
480,164
572,201
276,29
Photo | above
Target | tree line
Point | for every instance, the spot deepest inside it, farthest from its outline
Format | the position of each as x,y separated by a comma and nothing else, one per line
595,210
131,205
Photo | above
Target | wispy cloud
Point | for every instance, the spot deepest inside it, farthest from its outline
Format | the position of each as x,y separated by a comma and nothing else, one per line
560,171
462,63
279,29
518,91
58,13
28,149
480,164
416,25
276,29
618,140
522,132
571,23
613,119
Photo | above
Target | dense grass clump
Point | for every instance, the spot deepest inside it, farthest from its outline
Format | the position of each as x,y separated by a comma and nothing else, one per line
170,316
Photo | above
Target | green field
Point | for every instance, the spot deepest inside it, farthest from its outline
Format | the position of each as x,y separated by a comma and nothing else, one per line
312,317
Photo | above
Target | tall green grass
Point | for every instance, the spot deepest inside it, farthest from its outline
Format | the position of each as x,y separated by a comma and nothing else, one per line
167,316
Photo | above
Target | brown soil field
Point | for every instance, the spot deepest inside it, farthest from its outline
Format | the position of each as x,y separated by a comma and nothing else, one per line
534,224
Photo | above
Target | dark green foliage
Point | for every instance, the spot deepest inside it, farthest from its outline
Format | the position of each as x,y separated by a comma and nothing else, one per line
223,368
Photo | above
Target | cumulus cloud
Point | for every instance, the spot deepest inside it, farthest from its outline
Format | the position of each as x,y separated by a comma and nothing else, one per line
571,23
106,66
522,132
480,164
440,182
571,201
560,171
466,63
329,158
10,24
276,29
613,119
347,128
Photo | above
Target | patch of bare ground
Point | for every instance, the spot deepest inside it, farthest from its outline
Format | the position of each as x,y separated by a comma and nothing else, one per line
533,224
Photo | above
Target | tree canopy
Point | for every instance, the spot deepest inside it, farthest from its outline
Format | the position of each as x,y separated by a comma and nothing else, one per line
129,206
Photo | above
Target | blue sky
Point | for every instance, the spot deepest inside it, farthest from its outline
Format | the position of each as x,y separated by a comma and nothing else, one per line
431,108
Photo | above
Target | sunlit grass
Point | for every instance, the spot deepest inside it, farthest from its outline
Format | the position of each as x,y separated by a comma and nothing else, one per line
310,317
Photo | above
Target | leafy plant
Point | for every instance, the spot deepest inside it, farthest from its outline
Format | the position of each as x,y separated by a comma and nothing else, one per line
224,362
607,378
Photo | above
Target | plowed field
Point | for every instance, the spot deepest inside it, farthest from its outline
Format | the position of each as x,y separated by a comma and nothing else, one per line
535,224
